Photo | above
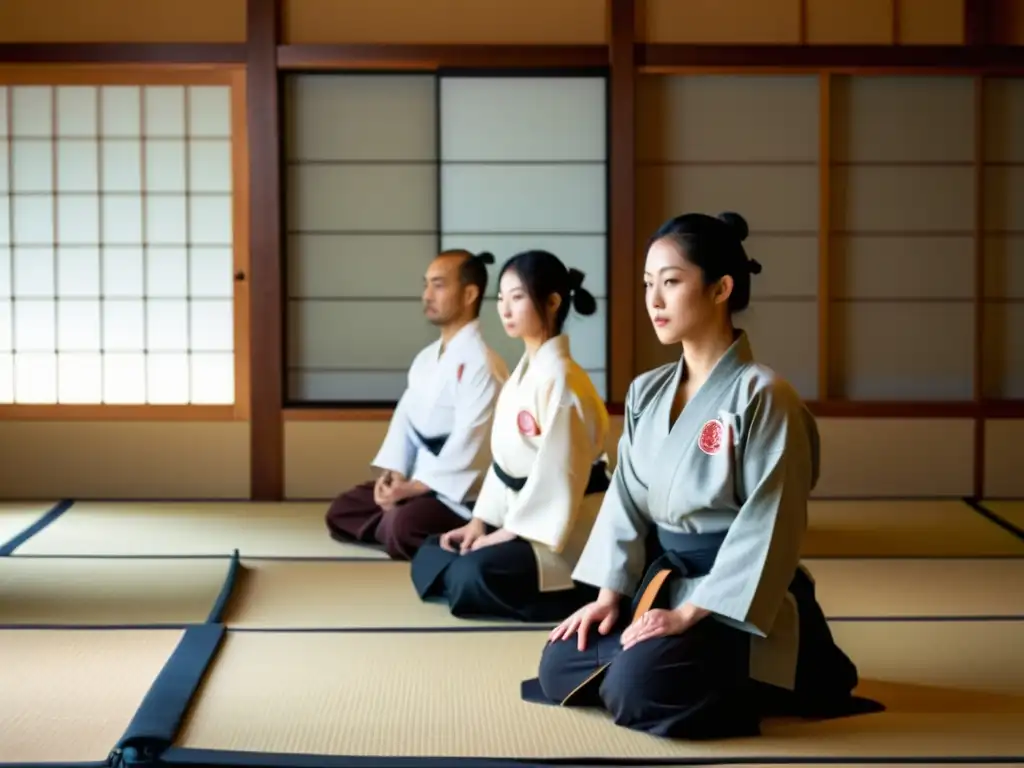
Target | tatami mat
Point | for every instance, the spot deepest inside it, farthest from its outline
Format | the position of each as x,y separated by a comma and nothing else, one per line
296,529
15,517
91,591
952,689
895,588
1011,511
291,594
206,528
69,695
904,529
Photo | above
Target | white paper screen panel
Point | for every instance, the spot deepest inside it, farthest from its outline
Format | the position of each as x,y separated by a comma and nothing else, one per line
1003,354
524,166
903,212
744,143
362,213
116,245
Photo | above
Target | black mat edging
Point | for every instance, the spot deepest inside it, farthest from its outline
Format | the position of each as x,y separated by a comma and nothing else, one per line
98,627
159,716
47,519
213,556
221,604
992,517
57,764
212,758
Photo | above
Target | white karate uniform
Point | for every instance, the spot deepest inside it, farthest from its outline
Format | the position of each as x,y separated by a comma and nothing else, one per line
450,397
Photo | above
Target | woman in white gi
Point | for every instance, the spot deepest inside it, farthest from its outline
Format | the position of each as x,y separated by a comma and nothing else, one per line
705,621
539,498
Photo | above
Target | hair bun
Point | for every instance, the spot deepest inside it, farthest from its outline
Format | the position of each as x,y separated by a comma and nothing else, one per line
575,279
485,256
737,222
754,266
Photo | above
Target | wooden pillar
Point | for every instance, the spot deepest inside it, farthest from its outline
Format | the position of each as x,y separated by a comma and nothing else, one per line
623,280
266,369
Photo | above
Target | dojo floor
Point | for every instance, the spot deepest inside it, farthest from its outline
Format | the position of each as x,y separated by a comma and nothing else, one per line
329,654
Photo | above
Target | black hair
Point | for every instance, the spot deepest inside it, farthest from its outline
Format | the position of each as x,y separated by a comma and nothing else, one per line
543,274
473,271
715,245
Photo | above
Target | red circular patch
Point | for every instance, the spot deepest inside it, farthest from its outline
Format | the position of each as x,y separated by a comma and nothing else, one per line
527,424
710,440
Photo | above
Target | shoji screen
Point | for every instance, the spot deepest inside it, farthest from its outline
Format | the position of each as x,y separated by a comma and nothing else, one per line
1004,239
523,165
711,143
116,254
362,228
903,191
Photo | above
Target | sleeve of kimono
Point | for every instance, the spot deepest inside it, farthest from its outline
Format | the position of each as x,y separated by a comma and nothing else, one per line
614,555
398,451
761,551
545,509
454,470
492,502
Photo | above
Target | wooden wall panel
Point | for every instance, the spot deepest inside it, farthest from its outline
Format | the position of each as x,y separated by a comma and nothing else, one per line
930,22
122,21
1006,26
138,459
1003,478
896,458
444,21
718,21
845,22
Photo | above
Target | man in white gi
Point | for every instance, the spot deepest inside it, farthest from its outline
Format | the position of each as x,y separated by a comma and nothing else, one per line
437,450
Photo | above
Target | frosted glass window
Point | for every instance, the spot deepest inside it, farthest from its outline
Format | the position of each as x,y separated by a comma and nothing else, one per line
124,379
78,325
902,197
78,272
524,165
116,245
165,165
32,111
209,111
166,272
362,218
77,113
122,165
167,378
78,166
35,378
78,220
31,166
122,220
213,378
33,273
121,111
80,378
165,111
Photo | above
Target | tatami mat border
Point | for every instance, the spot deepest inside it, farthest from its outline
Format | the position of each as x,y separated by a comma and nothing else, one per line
978,506
46,519
208,758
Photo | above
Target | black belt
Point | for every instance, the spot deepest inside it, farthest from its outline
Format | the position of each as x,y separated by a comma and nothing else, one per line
681,554
432,444
598,482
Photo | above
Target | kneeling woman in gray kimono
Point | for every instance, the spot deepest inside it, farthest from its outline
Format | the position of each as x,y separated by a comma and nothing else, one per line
705,621
549,472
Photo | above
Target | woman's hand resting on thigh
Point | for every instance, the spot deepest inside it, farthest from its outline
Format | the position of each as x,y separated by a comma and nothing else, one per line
658,622
604,612
499,536
461,539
